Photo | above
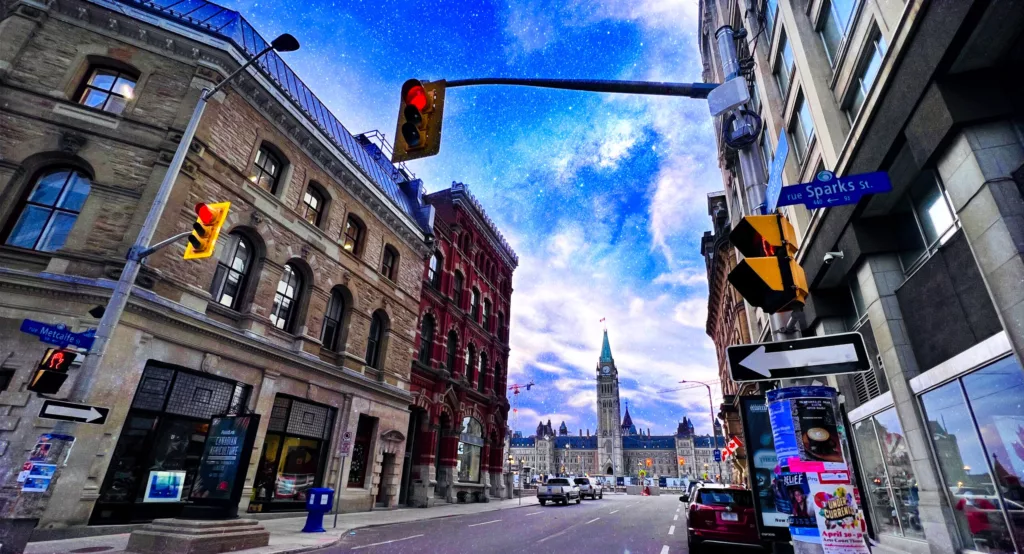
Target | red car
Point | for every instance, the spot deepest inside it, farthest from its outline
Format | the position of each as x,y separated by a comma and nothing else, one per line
721,514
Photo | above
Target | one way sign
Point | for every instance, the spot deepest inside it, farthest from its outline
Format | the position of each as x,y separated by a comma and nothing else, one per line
800,358
79,413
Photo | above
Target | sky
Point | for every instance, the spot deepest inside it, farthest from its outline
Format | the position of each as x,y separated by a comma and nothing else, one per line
602,196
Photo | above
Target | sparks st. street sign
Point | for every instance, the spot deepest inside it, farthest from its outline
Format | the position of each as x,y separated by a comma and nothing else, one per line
829,190
800,358
79,413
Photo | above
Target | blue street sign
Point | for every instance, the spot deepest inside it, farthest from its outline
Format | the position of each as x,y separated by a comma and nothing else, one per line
771,196
718,455
828,190
58,334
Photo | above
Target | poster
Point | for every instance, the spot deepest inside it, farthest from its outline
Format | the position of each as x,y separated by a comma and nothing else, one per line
771,504
164,486
803,524
839,520
38,478
805,426
218,473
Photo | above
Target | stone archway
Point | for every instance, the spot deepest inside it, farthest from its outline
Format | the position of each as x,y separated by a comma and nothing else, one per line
609,470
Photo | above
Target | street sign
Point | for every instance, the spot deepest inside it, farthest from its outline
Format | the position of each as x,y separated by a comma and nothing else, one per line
58,334
346,442
718,455
829,190
800,358
79,413
771,195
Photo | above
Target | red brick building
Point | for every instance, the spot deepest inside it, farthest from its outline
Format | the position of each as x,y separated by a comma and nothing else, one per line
459,372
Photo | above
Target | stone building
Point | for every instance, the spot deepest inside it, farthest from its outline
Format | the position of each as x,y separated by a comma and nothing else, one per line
307,315
931,273
458,426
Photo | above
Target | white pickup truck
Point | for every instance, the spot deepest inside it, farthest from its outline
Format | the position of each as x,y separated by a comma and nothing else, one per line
558,489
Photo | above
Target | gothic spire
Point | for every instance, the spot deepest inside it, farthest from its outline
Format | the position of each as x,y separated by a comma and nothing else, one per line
606,349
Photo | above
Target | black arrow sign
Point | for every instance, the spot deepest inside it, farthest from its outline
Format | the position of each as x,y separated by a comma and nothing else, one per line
800,358
79,413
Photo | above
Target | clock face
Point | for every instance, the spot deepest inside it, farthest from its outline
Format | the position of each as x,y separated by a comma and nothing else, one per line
606,369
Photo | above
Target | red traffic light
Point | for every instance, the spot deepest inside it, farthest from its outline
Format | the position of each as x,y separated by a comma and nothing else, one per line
417,96
206,214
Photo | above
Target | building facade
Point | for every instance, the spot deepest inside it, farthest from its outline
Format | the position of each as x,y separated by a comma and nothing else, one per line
307,314
459,373
931,273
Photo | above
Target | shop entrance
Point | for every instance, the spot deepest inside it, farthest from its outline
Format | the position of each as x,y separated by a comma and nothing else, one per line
155,460
294,455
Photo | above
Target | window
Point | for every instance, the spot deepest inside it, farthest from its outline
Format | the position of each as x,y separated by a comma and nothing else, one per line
107,89
501,325
457,290
450,350
766,152
6,376
784,66
499,384
474,305
50,210
925,220
801,129
471,442
353,239
835,22
232,272
312,206
294,454
481,373
375,342
426,340
282,314
866,74
266,170
434,270
330,336
771,10
389,263
892,489
470,363
361,452
487,315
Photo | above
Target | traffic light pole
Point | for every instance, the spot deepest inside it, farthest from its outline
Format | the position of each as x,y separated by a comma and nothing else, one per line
689,90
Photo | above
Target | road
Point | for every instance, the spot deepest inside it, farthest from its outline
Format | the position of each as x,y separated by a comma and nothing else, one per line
614,524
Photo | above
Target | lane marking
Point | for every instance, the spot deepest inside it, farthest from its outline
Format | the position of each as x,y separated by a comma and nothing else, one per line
664,549
610,513
592,521
484,523
672,530
385,542
533,514
675,517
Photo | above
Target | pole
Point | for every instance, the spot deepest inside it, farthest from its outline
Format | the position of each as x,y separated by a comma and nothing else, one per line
690,90
714,431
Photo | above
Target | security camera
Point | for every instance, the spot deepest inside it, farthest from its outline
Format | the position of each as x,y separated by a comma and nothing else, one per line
833,256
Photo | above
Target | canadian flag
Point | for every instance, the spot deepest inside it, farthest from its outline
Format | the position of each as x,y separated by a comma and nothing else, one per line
732,447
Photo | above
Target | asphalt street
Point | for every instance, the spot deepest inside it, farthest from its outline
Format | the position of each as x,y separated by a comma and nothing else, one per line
614,524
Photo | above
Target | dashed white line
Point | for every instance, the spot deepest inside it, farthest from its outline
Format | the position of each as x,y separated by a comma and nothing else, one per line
664,549
612,512
533,514
385,542
484,523
592,521
672,530
675,517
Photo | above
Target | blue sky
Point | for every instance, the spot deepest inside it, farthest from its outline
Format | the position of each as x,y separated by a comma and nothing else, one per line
602,196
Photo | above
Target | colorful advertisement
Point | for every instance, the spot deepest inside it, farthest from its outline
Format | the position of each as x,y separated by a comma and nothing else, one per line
771,504
805,425
840,522
222,467
803,524
38,477
164,486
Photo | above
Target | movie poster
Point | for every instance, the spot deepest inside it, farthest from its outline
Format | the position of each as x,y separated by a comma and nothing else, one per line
219,467
772,505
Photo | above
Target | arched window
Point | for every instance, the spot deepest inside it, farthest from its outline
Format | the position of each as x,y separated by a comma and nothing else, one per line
499,379
471,442
470,363
375,342
487,314
50,210
500,323
457,287
451,349
481,374
313,204
108,89
232,272
334,318
389,263
426,339
434,270
474,305
353,239
289,289
266,169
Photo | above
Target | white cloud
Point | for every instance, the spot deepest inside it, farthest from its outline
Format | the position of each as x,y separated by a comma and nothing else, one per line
692,312
682,278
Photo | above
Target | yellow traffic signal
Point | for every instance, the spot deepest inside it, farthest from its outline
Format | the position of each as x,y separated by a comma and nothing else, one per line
420,113
769,276
209,219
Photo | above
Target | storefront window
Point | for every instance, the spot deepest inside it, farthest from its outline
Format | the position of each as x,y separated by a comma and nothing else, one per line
361,452
891,483
471,443
294,454
879,498
965,472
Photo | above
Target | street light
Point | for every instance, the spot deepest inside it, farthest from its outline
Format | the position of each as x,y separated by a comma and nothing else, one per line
714,430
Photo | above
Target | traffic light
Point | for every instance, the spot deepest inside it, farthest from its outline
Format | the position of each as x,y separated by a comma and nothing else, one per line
649,462
682,461
52,370
769,276
420,112
209,219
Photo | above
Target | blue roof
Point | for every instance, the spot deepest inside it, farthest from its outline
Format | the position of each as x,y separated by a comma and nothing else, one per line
576,442
705,442
606,349
523,441
229,25
655,442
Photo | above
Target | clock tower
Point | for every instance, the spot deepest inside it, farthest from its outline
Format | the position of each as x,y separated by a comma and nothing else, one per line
609,439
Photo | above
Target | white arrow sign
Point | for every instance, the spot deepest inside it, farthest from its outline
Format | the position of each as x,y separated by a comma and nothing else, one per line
762,362
89,416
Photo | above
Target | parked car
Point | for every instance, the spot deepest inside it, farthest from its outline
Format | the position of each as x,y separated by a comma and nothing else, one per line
558,489
722,514
589,487
685,498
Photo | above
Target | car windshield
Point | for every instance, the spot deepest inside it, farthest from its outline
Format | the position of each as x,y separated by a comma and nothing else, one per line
558,481
582,481
722,497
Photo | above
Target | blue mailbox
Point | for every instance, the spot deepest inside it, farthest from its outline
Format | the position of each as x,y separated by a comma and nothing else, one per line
319,501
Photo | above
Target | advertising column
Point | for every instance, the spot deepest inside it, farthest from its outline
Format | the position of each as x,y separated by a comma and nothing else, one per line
814,473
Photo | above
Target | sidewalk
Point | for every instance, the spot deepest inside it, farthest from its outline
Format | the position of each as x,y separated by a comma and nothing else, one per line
286,535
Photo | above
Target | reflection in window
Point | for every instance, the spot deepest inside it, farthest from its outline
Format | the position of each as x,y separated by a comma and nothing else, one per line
361,452
353,235
784,65
833,27
471,442
481,374
108,90
389,263
288,289
266,170
434,270
232,272
925,220
801,128
426,339
313,206
375,341
866,74
50,211
457,290
771,9
891,484
451,348
331,334
474,304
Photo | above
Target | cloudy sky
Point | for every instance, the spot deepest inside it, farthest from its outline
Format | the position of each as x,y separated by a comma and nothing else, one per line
602,196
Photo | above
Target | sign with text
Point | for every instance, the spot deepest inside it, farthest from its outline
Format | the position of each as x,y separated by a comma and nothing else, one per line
778,164
799,358
58,334
828,190
770,500
805,426
221,473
